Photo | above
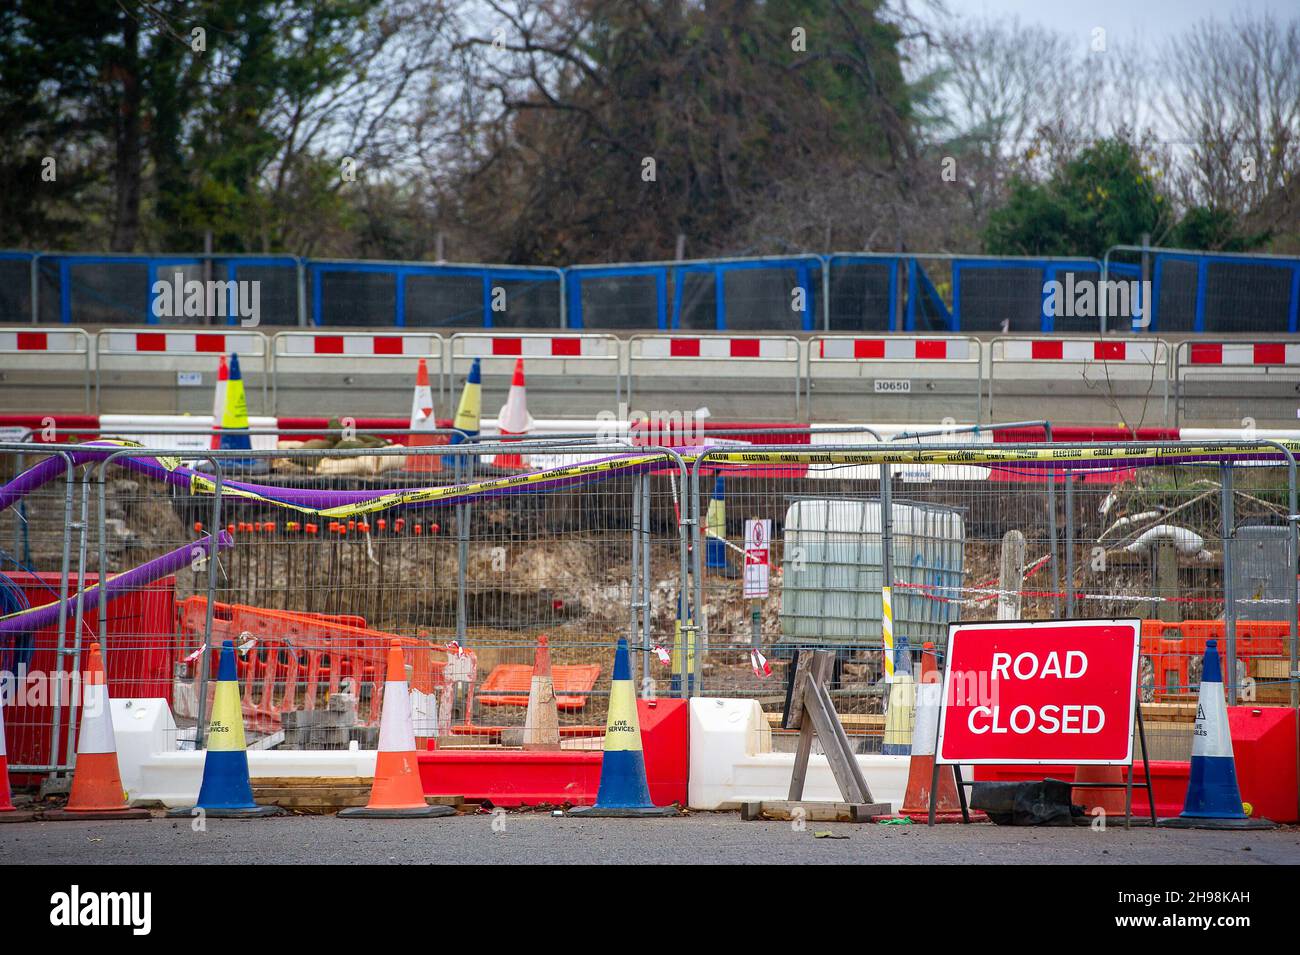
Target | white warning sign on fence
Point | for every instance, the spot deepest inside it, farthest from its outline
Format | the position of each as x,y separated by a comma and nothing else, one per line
758,539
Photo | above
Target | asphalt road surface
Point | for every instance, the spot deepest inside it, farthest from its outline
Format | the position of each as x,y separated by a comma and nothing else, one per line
540,838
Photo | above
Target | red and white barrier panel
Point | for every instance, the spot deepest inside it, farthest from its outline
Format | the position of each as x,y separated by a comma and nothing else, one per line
764,348
896,349
181,343
370,346
73,343
537,346
1243,353
1026,349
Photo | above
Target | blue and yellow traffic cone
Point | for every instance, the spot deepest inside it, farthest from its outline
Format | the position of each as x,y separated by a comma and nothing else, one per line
226,792
900,714
234,418
715,529
469,412
623,788
1213,798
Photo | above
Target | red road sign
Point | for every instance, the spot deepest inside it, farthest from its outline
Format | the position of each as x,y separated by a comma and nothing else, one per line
1051,691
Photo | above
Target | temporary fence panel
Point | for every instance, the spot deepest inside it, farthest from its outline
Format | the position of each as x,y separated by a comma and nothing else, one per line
780,294
735,378
865,293
1237,384
410,294
16,275
1139,536
353,374
566,376
1225,294
45,370
631,297
176,371
894,379
248,291
1100,379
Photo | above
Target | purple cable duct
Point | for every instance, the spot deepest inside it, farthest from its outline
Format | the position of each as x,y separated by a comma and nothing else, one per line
146,573
50,469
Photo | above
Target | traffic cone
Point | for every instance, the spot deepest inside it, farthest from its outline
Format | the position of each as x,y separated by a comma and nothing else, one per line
715,529
900,714
226,792
1213,797
469,412
234,417
514,418
8,813
397,792
623,788
916,800
219,401
422,420
542,722
96,781
1110,800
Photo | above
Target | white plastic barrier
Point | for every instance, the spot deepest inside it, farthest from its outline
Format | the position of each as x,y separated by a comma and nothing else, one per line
732,762
154,771
193,433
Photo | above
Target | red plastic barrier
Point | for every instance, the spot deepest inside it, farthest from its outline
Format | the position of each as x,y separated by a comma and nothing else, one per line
516,778
137,657
1263,743
37,422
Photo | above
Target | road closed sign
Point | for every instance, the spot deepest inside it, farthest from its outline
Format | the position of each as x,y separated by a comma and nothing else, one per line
1052,691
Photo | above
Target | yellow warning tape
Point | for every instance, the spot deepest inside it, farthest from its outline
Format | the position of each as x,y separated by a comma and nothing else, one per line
200,484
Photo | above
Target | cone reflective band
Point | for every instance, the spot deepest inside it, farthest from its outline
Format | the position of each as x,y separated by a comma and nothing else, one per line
623,789
397,792
1213,797
226,791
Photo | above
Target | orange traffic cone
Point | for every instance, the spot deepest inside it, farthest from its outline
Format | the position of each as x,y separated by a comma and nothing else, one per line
7,811
397,792
542,722
1109,800
514,418
96,782
422,420
920,771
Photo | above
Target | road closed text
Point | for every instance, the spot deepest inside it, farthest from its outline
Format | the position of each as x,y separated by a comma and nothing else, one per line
1052,691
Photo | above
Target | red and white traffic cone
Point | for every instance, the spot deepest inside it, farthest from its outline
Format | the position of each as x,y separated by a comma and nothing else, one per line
8,812
422,420
96,781
542,721
514,418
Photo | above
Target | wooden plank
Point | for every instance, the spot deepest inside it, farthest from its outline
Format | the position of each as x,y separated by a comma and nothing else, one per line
865,723
813,811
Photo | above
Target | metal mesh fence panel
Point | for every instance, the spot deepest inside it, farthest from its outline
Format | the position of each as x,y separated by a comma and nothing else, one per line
366,299
1248,297
1176,281
618,301
997,299
860,298
15,289
278,291
444,301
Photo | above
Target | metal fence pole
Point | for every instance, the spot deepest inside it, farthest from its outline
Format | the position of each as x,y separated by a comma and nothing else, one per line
887,564
1069,543
645,566
201,691
635,596
1229,597
81,526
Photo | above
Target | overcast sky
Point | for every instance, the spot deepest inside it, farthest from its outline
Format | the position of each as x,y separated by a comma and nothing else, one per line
1144,22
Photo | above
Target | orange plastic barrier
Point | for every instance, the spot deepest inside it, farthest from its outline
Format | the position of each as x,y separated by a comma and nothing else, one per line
1170,655
299,655
507,685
